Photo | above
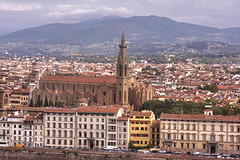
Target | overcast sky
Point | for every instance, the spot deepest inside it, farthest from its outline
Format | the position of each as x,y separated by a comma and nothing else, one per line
21,14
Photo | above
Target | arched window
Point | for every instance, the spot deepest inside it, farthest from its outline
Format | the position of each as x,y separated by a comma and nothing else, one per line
125,96
120,96
126,70
120,70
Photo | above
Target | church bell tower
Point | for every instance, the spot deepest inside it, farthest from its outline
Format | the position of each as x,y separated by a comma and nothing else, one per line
4,102
122,75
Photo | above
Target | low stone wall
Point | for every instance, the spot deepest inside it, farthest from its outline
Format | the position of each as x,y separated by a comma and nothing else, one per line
34,155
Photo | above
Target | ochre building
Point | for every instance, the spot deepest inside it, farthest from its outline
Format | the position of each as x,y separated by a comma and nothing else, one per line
121,89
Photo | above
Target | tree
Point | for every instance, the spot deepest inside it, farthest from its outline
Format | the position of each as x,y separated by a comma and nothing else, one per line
31,103
38,101
46,101
59,103
73,103
50,103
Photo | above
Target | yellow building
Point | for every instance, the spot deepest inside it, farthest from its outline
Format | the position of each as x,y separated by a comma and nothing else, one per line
139,127
19,97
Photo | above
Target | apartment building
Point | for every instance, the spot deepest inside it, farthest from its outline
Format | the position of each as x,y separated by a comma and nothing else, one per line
38,130
28,131
4,130
139,127
206,133
59,128
123,132
155,133
15,123
86,127
19,97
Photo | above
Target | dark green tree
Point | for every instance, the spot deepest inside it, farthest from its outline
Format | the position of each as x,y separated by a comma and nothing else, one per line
38,101
59,103
50,103
46,101
31,103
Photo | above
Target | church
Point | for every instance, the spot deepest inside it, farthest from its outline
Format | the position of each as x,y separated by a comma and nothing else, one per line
121,89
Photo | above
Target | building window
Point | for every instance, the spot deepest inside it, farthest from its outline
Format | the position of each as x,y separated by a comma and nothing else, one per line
120,96
213,128
232,147
79,142
204,127
221,128
232,139
204,146
182,126
221,138
80,134
102,135
188,127
221,147
187,145
193,145
181,145
182,137
125,96
163,126
59,133
193,137
232,129
212,138
169,126
174,126
204,137
194,127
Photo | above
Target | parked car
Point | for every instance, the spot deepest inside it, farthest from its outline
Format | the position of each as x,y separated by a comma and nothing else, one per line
177,152
162,152
132,150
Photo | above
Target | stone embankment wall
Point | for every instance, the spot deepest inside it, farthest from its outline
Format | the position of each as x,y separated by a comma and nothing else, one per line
32,155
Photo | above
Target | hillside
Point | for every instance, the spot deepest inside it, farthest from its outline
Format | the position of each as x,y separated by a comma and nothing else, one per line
103,35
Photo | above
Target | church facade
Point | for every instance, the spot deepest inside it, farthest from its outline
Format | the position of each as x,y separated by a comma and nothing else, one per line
120,90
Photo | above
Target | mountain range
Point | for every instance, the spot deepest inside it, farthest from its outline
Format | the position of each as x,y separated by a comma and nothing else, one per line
103,35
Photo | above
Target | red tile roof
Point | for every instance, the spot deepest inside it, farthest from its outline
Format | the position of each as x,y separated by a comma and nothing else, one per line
91,109
80,79
200,117
60,110
156,124
138,113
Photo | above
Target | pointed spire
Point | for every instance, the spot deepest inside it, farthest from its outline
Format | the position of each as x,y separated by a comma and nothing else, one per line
123,38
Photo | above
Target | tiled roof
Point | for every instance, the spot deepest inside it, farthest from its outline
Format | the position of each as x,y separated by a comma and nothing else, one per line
156,124
60,110
91,109
80,79
123,118
200,117
138,113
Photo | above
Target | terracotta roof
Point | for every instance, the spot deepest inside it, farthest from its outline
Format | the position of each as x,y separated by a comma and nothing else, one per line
156,124
80,79
138,113
60,110
91,109
123,118
200,117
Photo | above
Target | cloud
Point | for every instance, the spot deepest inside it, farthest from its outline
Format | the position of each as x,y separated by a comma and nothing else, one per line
73,11
9,6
